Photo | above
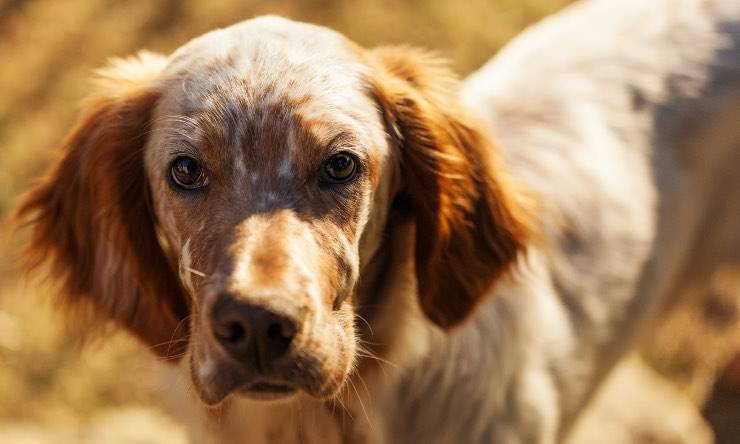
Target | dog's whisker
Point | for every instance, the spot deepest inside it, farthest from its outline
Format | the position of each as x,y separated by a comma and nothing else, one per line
195,272
369,327
359,399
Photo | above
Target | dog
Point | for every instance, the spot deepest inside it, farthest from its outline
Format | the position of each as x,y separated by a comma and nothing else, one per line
337,244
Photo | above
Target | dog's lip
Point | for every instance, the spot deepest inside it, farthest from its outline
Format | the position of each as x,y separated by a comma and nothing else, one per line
266,386
264,389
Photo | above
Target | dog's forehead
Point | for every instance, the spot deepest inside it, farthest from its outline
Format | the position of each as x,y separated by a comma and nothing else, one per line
268,59
258,34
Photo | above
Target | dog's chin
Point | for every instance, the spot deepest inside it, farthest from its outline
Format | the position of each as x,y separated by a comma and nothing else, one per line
214,395
216,386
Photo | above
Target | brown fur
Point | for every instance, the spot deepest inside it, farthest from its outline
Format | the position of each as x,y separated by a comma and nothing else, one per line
97,232
470,226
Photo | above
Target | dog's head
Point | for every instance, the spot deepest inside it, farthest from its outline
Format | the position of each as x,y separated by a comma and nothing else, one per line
224,201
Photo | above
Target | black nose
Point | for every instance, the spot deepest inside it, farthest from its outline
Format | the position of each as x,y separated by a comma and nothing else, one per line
251,333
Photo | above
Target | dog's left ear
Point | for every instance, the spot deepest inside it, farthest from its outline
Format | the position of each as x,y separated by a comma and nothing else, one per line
470,222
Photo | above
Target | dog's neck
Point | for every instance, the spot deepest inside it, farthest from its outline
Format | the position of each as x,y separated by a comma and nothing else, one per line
394,252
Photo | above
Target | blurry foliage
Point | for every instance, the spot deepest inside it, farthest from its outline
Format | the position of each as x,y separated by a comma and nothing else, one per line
48,49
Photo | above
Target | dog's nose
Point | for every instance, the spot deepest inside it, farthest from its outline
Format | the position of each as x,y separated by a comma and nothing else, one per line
249,331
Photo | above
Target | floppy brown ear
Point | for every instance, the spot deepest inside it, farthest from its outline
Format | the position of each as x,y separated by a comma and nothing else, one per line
470,224
92,220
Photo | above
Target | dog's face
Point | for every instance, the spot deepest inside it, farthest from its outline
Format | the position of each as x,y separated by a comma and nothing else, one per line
266,157
224,202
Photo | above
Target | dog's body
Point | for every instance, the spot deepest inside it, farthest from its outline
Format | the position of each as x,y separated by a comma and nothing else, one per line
618,118
623,117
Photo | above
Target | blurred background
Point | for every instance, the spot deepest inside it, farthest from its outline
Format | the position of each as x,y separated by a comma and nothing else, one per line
53,391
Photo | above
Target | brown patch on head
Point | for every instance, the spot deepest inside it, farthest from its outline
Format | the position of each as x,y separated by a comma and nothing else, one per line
470,221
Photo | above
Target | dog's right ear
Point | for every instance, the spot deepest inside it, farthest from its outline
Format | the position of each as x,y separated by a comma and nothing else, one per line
91,215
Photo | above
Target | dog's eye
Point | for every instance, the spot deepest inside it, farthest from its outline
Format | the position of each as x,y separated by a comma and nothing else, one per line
340,168
187,173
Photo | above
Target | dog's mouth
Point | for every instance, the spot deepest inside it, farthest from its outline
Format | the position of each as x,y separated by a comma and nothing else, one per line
268,390
214,391
266,387
264,390
303,369
220,379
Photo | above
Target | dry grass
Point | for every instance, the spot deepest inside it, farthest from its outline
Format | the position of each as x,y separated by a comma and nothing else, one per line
50,389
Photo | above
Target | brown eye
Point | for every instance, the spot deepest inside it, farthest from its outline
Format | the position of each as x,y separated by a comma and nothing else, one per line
187,173
340,168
